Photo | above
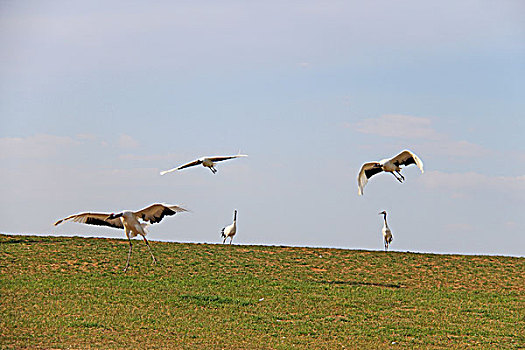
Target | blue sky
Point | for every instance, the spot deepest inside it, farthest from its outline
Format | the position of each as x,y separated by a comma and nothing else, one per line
96,98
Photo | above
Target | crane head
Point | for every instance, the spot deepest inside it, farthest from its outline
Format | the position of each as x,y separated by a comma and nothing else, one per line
382,213
113,216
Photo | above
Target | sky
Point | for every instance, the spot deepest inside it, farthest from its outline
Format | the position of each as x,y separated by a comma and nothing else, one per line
96,98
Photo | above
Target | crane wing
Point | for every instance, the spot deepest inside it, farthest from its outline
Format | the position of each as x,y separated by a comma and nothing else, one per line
406,158
221,158
187,165
99,219
367,171
156,212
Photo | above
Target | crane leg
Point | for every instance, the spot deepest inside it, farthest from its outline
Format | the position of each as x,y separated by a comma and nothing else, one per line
224,240
231,239
397,178
398,173
150,251
129,254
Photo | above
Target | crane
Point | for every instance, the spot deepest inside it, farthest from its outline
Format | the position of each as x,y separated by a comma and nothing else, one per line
387,234
230,230
392,165
129,221
208,162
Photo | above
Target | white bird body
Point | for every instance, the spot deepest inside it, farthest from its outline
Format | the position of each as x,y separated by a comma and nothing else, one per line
129,221
230,230
390,165
208,162
387,234
132,226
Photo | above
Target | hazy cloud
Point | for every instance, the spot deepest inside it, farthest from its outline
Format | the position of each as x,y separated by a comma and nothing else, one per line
37,146
460,184
455,227
230,27
126,141
400,126
68,68
421,133
447,147
148,157
89,137
63,149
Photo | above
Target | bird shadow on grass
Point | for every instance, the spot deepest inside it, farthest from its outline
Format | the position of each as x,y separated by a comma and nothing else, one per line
362,284
214,300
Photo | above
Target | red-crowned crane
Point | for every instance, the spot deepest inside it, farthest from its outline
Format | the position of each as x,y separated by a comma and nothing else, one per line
208,162
129,221
230,230
387,234
392,165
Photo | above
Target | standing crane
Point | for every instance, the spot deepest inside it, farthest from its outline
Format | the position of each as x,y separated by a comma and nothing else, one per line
129,221
230,230
208,162
392,165
387,234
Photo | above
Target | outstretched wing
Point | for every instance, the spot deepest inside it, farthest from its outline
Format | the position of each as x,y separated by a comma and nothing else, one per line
156,212
187,165
99,219
221,158
367,171
406,158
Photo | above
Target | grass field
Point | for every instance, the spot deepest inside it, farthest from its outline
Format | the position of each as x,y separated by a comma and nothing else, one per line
71,293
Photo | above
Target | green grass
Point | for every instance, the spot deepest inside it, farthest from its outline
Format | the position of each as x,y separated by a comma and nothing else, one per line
71,293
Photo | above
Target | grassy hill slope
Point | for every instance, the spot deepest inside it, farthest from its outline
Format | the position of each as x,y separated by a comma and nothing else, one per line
71,293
